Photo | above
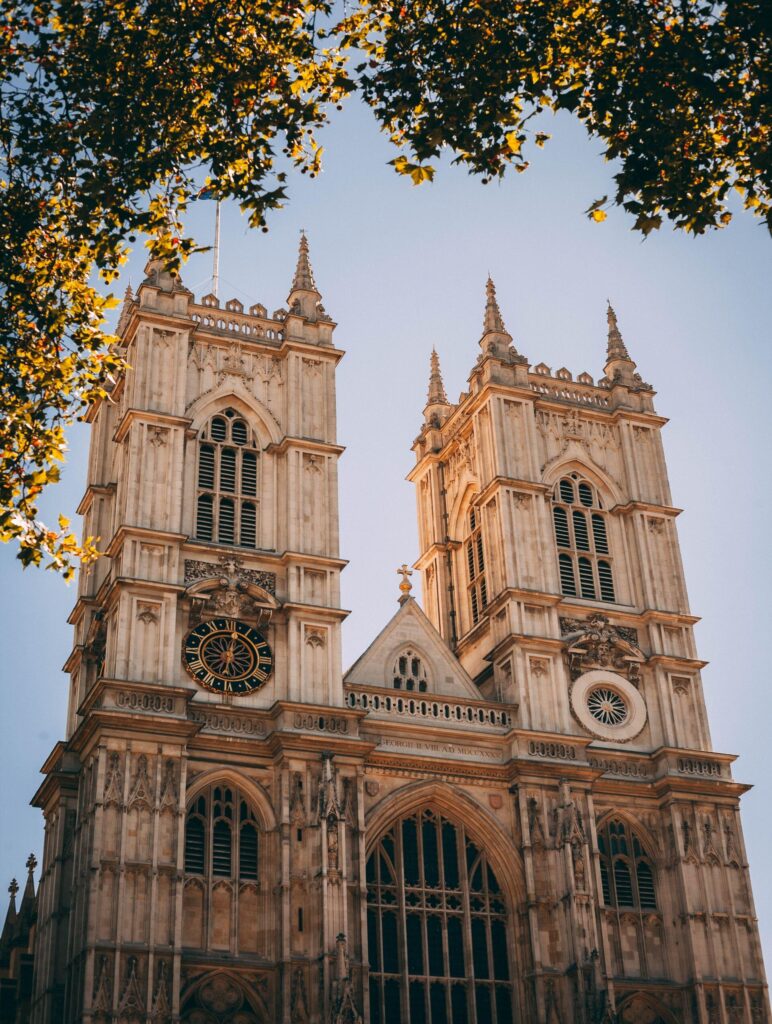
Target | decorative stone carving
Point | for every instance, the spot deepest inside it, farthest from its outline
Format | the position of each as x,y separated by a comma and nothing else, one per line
157,436
140,791
709,850
299,1004
169,786
329,804
221,995
730,844
593,643
569,827
148,613
297,807
344,1007
103,999
372,787
161,1002
539,666
535,826
131,999
229,566
315,637
114,779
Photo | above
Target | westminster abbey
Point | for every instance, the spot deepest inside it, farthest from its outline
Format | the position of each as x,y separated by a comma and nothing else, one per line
506,811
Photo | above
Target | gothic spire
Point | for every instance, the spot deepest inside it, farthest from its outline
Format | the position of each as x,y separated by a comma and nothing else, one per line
616,346
437,405
303,299
304,275
492,321
128,299
10,917
436,394
618,359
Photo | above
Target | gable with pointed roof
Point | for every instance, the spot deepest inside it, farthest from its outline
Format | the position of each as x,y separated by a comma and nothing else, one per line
410,629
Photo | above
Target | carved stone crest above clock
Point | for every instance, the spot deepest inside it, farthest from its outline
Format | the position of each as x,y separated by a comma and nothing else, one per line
227,588
594,643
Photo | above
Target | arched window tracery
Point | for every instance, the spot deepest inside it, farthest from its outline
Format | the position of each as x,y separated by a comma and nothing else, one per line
227,482
222,871
584,558
437,928
409,671
477,585
626,871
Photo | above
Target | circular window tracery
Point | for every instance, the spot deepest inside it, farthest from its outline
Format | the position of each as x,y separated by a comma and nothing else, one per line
607,706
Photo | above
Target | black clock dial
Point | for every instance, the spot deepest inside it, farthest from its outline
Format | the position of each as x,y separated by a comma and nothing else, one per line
227,656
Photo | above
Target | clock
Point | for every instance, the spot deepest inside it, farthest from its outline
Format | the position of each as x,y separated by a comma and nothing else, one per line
227,656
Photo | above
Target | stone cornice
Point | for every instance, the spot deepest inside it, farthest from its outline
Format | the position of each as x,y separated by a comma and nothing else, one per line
668,511
126,530
306,444
147,416
91,491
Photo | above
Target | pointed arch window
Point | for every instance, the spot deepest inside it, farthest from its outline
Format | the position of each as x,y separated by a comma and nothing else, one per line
627,874
437,928
221,835
227,482
581,536
409,672
475,566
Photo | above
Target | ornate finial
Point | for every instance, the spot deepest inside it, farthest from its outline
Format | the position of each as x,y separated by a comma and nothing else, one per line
405,585
32,863
13,888
616,346
436,394
304,275
492,322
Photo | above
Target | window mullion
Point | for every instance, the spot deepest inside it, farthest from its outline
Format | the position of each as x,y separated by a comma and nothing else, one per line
471,1002
401,929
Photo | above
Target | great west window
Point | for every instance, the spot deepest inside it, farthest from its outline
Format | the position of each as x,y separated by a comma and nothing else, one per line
437,928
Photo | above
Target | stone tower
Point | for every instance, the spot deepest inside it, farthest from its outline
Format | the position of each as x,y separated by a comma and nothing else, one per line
506,810
212,483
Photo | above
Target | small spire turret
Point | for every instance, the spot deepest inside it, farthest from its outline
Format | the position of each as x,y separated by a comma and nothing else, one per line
496,339
619,365
437,405
436,394
304,297
304,275
492,321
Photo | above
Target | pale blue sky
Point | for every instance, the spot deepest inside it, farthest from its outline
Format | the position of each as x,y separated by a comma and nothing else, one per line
402,269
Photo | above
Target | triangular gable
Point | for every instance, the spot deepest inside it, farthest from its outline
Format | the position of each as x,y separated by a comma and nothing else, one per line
410,629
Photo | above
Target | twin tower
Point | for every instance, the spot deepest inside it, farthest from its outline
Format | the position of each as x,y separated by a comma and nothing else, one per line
507,810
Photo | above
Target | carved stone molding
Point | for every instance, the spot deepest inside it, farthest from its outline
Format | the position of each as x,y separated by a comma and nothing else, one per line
594,643
229,566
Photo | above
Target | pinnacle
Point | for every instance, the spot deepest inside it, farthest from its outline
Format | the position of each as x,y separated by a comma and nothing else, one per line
304,275
436,394
492,322
616,346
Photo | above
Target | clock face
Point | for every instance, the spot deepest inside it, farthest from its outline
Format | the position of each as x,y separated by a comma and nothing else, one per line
227,656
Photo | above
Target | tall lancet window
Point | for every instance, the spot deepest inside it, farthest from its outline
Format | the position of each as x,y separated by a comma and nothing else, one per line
475,566
227,482
584,558
437,927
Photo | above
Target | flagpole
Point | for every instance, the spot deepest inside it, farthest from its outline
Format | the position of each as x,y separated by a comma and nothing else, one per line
216,267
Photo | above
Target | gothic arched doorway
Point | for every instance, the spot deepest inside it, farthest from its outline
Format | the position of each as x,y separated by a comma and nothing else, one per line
643,1008
437,923
220,998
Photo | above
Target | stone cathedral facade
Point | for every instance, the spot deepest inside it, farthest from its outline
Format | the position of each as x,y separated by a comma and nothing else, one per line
507,810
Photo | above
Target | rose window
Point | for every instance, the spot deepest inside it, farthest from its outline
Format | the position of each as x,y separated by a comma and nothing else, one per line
607,706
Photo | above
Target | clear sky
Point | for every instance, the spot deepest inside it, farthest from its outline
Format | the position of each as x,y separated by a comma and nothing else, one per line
404,268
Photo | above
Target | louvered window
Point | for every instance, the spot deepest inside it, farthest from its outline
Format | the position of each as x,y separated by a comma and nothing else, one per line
228,472
475,564
247,535
627,874
214,843
581,536
437,922
567,578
